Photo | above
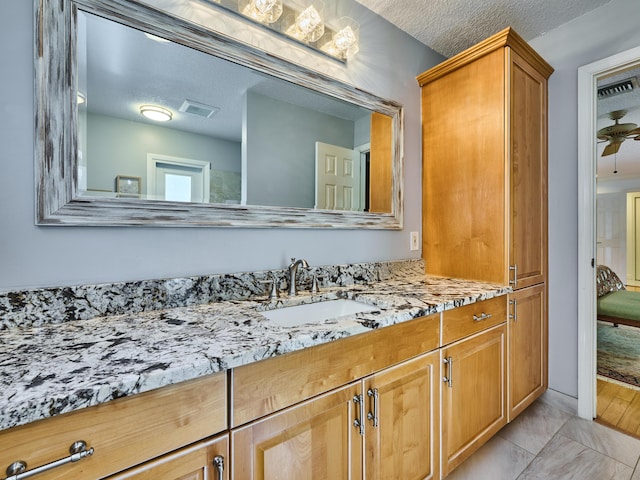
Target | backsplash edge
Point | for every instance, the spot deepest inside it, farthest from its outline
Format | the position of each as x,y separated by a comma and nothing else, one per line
43,306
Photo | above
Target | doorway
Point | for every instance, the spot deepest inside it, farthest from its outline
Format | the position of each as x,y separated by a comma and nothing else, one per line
588,77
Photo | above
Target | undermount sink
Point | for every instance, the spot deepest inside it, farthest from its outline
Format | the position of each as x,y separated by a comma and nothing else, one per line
315,312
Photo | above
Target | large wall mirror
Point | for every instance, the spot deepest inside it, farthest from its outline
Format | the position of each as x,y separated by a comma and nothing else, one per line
144,118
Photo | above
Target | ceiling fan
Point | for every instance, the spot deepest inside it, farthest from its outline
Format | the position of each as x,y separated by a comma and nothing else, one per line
617,133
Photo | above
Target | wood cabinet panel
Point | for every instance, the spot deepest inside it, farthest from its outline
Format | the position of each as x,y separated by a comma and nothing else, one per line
264,387
485,181
404,442
464,233
473,403
464,321
123,432
195,462
528,160
528,346
315,439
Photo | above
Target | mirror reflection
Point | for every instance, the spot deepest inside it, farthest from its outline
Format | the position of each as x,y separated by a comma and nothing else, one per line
161,121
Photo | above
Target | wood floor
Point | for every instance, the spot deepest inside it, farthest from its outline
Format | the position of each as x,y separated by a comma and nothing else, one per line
619,407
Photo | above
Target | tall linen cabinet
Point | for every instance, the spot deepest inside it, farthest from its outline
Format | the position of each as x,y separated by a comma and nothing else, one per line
484,134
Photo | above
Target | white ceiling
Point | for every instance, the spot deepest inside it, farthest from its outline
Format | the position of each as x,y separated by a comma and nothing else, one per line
451,26
129,70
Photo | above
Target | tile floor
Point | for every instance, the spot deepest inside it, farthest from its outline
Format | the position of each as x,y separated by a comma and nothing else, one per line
547,441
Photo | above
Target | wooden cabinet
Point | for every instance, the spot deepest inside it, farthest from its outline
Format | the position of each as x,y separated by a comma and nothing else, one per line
123,432
206,460
527,347
315,439
402,433
485,163
473,394
485,214
388,423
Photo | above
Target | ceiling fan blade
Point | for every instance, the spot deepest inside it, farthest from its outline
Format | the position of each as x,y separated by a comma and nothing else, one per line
611,149
634,132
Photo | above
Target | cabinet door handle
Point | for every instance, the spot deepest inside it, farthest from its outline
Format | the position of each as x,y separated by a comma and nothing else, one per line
218,463
514,316
77,450
514,268
359,421
373,393
483,316
448,378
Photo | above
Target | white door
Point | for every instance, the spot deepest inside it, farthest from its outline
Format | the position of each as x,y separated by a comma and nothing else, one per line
337,178
610,232
177,179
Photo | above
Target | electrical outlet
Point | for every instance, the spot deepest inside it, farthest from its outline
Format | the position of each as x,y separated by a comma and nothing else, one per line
415,241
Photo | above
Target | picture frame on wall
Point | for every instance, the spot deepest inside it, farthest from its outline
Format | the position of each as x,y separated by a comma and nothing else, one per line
127,186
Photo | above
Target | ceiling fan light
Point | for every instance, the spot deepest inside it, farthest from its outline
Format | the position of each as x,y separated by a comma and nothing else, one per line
156,113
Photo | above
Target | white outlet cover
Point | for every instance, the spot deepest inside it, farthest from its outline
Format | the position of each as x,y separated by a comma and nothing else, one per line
415,241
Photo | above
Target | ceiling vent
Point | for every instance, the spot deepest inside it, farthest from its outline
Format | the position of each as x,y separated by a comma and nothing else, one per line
618,88
199,109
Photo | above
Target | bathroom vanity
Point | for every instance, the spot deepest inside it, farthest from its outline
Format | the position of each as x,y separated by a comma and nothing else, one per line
218,391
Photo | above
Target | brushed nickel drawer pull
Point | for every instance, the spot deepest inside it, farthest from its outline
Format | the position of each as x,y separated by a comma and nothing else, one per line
218,463
359,422
484,316
514,268
18,470
373,393
514,316
448,361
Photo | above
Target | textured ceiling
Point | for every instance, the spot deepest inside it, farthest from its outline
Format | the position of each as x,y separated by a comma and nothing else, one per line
451,26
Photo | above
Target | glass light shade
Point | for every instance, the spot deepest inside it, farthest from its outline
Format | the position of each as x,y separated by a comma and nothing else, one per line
158,114
263,11
307,24
344,42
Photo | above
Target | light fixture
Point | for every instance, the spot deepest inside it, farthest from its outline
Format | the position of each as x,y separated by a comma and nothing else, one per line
306,24
81,98
158,114
344,42
263,11
302,21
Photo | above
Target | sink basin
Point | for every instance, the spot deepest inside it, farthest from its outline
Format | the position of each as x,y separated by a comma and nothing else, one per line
315,312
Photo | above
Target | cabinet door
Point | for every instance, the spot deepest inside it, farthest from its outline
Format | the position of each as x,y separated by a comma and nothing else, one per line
403,421
473,395
528,160
316,439
527,347
206,460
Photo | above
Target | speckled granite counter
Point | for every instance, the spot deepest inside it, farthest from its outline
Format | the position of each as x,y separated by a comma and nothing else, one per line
56,368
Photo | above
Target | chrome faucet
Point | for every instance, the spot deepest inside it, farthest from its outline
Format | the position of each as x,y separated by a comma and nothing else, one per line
293,269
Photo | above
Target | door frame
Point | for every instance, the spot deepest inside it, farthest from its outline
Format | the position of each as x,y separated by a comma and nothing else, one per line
588,76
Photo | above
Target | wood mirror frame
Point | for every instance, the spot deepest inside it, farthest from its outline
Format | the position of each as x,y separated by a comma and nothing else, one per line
56,158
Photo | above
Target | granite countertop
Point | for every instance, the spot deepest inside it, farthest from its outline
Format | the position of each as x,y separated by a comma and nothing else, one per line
52,369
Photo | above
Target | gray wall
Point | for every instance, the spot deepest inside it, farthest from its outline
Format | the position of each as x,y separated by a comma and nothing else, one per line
601,33
281,139
119,147
33,256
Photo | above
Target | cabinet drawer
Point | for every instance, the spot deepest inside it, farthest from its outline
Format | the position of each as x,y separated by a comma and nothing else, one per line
464,321
123,432
261,388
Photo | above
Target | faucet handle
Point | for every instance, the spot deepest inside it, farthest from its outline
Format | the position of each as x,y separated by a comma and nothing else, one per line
273,293
314,283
